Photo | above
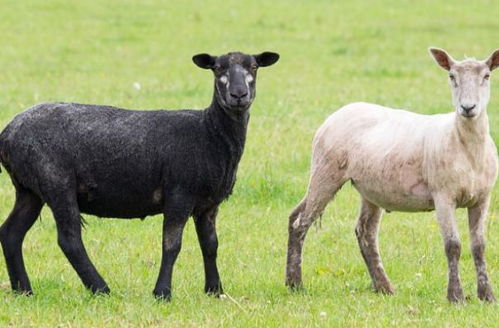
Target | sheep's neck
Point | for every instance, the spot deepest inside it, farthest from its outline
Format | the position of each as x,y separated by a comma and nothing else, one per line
473,131
231,130
472,134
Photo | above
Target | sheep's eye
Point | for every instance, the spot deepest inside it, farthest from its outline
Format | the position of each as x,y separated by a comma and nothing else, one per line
218,69
254,67
486,77
452,77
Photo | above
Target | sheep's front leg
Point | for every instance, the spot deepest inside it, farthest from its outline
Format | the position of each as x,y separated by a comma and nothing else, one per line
207,235
445,209
477,216
367,237
176,214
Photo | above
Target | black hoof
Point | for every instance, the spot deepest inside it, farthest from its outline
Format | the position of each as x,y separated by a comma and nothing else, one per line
213,290
103,290
162,296
28,292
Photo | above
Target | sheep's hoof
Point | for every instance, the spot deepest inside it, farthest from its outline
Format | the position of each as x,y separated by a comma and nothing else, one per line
485,294
163,296
386,289
455,295
103,290
293,281
295,286
27,292
215,291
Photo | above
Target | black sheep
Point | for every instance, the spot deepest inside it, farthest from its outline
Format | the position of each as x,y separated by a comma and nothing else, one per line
112,162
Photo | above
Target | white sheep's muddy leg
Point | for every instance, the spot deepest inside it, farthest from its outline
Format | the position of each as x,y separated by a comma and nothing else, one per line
446,218
320,191
477,216
367,237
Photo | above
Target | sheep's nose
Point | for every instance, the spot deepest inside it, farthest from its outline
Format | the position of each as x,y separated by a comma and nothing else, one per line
467,108
239,94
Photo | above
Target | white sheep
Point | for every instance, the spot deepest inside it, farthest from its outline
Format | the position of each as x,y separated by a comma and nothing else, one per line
402,161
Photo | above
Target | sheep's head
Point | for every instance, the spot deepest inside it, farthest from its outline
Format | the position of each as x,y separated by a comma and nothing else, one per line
235,77
469,80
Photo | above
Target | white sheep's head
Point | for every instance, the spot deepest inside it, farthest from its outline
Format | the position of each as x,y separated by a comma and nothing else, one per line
469,80
235,77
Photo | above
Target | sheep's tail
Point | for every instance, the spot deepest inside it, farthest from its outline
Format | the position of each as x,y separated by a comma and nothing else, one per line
1,155
3,147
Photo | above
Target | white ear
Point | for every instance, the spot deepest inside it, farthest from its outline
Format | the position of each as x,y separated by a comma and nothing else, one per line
442,58
493,60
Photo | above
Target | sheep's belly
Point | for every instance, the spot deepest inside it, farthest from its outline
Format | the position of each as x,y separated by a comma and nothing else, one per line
124,205
414,198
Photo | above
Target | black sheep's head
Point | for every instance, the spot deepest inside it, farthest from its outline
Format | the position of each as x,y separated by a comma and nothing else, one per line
235,77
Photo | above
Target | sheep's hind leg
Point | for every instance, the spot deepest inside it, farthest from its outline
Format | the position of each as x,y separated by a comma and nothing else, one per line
178,208
367,237
208,241
477,216
24,214
445,209
320,191
68,221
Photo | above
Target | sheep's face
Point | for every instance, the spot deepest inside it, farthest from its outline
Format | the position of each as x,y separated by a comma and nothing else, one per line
469,80
235,77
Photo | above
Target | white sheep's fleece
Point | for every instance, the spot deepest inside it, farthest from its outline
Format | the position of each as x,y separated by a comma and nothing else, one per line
398,159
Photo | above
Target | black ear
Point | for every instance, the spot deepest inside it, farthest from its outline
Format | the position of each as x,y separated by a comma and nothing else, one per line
442,58
204,60
493,60
266,58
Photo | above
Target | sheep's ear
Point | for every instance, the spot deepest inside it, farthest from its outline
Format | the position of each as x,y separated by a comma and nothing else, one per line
442,58
204,60
266,58
493,61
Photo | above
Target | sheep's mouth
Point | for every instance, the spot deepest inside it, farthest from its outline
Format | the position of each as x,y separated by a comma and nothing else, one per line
468,115
239,105
239,108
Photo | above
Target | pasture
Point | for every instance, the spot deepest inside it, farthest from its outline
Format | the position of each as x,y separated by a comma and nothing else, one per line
138,55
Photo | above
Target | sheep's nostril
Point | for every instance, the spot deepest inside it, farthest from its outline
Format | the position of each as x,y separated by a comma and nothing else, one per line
467,109
239,95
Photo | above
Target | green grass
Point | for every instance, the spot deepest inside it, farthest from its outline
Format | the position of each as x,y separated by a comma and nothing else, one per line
332,53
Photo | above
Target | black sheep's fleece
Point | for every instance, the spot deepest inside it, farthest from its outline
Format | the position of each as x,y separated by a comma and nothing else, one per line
121,161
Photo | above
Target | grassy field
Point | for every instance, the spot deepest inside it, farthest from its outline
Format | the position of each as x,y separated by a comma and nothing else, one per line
332,53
